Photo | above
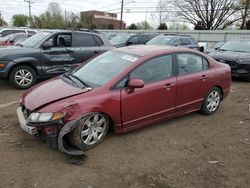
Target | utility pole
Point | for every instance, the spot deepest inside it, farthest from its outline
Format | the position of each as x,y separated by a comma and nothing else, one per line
121,14
29,2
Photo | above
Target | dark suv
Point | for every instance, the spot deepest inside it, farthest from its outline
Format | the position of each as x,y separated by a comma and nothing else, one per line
122,40
175,40
49,53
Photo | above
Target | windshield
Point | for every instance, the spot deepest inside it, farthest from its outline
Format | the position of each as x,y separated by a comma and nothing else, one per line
35,39
104,68
160,41
119,39
237,46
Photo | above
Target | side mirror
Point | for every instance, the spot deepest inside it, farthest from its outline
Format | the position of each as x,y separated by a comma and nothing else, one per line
216,48
202,49
47,45
136,83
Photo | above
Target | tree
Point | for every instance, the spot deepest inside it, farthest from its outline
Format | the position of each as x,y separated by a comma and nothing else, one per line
133,26
20,20
163,14
144,25
213,14
178,26
248,25
2,22
162,26
199,26
245,5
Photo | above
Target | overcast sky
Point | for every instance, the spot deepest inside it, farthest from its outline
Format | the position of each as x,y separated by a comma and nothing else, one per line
9,8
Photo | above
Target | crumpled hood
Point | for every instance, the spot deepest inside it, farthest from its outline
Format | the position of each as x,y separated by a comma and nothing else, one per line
229,55
48,92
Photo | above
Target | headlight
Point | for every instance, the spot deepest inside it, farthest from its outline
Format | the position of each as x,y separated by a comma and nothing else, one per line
37,117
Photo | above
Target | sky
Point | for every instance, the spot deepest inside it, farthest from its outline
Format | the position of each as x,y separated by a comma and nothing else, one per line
8,8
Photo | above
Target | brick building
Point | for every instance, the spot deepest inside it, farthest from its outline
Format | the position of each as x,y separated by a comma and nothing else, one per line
101,20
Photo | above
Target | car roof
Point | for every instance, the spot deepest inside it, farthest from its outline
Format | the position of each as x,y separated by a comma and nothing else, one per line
143,50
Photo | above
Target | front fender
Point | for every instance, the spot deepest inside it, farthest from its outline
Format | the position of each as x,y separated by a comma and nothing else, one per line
63,144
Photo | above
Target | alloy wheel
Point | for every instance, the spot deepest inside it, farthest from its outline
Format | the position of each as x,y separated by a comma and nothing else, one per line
93,129
23,77
213,101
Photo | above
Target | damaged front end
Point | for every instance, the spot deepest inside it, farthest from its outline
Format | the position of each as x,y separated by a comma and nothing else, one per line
51,128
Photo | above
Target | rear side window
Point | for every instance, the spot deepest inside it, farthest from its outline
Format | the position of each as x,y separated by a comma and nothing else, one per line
156,69
18,31
191,63
98,40
144,39
6,32
185,41
134,40
85,40
31,32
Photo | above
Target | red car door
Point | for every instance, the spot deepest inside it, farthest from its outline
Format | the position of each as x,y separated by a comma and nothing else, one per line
156,100
193,81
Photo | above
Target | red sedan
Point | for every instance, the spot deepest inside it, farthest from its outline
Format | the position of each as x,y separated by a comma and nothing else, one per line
124,89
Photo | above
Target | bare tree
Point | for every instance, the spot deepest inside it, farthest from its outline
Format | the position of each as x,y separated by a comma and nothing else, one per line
163,13
213,14
245,12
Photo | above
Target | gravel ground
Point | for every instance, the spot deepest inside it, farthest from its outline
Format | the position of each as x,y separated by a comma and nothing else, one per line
189,151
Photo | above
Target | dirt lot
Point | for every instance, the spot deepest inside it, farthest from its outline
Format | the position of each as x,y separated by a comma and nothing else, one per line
190,151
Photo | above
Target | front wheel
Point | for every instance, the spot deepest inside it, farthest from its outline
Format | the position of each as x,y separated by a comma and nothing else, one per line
211,102
90,132
22,77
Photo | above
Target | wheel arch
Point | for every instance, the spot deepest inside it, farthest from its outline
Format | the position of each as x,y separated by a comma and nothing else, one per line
29,64
221,91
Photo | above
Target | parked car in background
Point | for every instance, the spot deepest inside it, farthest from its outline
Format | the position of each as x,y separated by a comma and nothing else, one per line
12,39
126,89
8,31
215,47
175,40
122,40
49,53
237,55
110,35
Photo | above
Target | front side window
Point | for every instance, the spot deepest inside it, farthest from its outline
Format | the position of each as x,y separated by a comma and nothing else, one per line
156,69
190,63
185,41
134,40
60,40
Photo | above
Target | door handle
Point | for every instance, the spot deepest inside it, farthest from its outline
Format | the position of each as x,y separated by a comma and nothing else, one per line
204,77
168,86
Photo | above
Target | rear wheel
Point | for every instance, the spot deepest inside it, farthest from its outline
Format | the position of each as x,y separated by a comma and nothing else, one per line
90,132
22,77
211,102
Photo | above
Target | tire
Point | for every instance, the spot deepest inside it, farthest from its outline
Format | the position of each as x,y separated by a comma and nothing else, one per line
211,102
85,136
22,77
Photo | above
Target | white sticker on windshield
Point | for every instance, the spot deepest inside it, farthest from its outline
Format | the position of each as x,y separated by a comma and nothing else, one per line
130,58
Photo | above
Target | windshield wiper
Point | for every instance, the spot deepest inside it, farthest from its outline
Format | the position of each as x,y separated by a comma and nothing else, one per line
66,75
82,82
